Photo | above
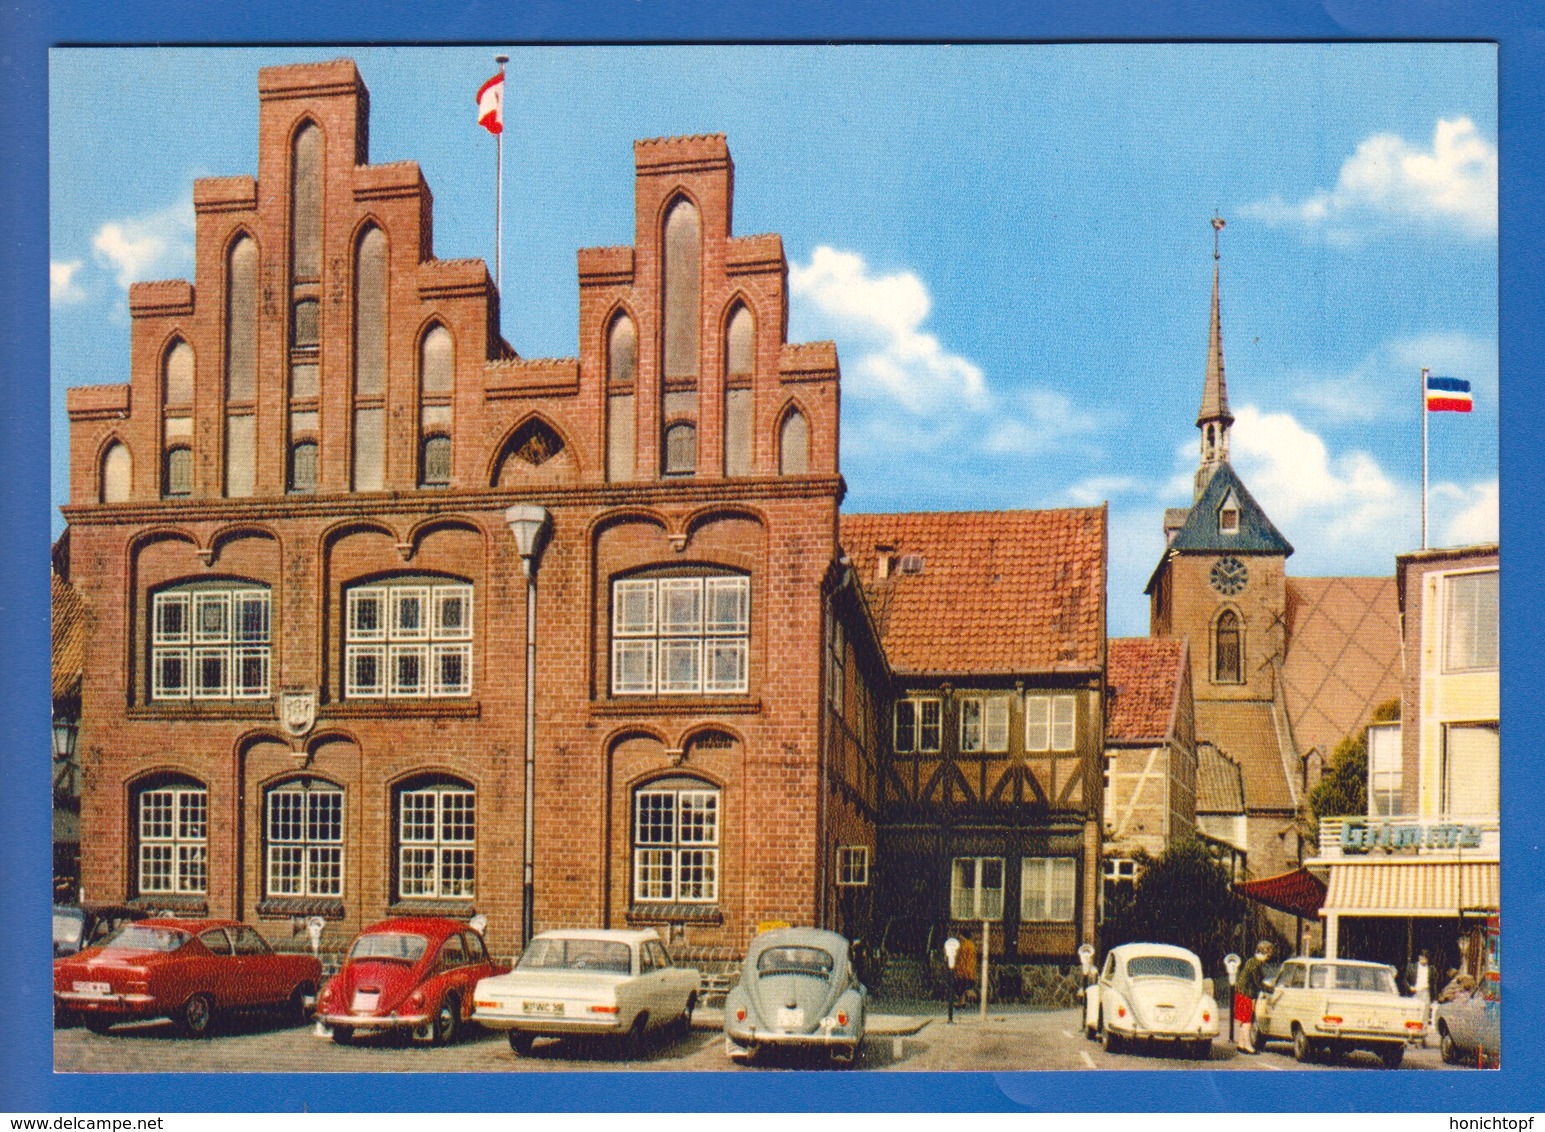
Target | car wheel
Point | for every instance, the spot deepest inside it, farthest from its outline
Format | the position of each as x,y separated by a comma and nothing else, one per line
633,1041
521,1043
1392,1056
1110,1041
447,1021
844,1057
196,1019
98,1025
1446,1047
1201,1050
1303,1049
296,1013
684,1023
343,1035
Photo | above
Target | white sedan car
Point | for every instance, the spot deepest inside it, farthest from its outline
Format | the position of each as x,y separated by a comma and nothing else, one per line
1153,992
574,983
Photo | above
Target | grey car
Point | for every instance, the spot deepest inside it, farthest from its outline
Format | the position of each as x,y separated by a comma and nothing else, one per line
1469,1023
797,990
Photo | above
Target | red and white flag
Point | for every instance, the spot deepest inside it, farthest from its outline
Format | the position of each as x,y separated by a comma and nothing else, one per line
490,104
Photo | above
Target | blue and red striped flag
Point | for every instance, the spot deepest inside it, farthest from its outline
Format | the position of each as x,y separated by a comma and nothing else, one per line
1448,395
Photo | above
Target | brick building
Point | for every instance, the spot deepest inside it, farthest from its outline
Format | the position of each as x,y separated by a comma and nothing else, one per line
304,691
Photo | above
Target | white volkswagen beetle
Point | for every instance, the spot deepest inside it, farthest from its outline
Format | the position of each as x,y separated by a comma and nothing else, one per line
1154,992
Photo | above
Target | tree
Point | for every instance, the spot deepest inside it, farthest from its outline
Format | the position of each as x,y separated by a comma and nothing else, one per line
1183,897
1343,788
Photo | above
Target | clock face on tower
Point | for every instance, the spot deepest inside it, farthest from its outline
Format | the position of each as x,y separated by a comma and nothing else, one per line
1229,576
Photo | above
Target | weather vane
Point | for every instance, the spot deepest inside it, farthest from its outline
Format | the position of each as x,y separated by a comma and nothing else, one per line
1217,226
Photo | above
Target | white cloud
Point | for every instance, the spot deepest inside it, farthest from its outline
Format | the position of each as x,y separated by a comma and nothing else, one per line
1093,490
1390,181
1387,379
1463,516
883,316
62,287
153,246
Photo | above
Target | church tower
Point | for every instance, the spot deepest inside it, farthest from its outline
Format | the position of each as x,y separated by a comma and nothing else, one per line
1221,583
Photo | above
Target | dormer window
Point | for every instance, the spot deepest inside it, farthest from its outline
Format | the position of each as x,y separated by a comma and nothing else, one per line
1228,516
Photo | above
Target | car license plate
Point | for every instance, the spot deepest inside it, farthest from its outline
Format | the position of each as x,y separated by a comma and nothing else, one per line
791,1018
96,990
1166,1014
365,1002
553,1008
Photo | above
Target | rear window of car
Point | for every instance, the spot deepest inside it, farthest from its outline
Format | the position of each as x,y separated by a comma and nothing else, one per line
795,960
1160,966
137,937
69,923
404,947
577,955
1379,980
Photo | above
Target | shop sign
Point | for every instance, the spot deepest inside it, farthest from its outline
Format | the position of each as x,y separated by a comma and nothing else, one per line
1408,836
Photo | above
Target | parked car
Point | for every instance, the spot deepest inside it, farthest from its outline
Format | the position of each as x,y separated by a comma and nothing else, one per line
410,975
186,970
1327,1007
601,982
1152,992
1469,1022
78,926
797,989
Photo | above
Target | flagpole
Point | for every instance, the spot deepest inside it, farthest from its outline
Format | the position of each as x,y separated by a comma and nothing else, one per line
499,188
1424,457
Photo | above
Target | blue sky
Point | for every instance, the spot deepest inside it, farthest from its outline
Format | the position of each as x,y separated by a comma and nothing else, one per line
1010,245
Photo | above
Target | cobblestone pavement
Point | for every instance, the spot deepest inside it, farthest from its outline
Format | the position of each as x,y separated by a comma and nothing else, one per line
1008,1040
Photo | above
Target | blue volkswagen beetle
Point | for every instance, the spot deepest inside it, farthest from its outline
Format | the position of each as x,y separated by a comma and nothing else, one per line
797,990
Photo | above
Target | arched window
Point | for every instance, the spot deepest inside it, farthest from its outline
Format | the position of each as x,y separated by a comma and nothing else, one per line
676,842
177,421
1227,662
370,288
303,839
306,204
210,641
794,444
739,364
437,380
241,316
436,840
682,287
621,415
171,834
680,448
117,473
740,344
408,637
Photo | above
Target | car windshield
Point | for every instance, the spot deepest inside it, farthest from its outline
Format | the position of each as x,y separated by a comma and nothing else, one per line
577,955
138,937
1160,967
69,924
795,961
402,947
1380,980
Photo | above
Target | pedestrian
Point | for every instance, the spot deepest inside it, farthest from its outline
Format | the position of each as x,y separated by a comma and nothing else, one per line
965,969
1251,981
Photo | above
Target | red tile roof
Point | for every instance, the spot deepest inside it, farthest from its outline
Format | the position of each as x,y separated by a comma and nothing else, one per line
69,638
1144,675
996,592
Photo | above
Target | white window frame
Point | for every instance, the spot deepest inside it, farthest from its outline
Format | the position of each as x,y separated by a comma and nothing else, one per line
976,901
1048,890
990,732
394,646
920,708
181,841
1386,772
317,856
1452,584
443,849
664,857
852,866
700,652
1051,722
222,653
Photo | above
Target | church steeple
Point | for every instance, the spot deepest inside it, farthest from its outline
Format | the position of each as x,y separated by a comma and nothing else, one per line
1213,418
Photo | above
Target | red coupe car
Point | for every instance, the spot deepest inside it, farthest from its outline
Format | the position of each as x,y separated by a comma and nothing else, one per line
186,970
414,975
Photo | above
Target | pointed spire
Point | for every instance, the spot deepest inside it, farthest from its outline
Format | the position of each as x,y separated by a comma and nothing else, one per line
1215,388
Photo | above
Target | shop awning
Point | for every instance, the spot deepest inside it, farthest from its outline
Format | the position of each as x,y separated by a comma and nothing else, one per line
1298,893
1413,888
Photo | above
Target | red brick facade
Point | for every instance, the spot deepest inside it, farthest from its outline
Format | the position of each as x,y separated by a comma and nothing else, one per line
519,430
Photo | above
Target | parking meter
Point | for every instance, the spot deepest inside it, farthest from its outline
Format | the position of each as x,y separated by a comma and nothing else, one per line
314,927
1086,959
1231,966
478,923
951,949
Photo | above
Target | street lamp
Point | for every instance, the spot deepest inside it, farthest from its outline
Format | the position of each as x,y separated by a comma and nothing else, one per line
65,731
530,524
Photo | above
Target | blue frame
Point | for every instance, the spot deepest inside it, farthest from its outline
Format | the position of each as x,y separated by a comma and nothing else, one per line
29,28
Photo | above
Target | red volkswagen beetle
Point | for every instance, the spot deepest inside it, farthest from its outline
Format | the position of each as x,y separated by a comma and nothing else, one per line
187,970
413,975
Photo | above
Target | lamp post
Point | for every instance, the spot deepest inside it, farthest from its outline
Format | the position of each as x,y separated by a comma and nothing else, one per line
530,524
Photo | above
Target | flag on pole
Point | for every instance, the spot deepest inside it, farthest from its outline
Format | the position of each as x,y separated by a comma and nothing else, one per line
490,104
1448,395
